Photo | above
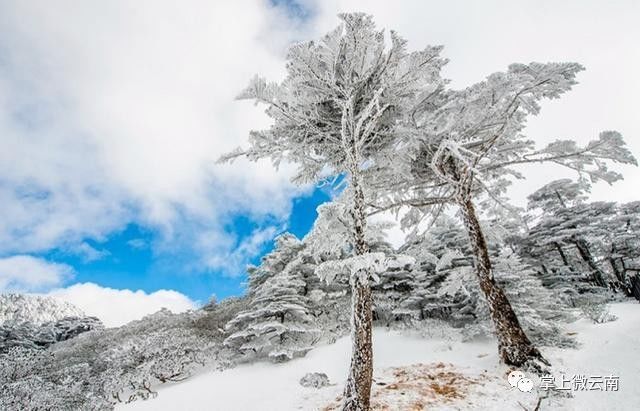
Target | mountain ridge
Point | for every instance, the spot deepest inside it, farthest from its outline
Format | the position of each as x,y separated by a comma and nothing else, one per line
35,309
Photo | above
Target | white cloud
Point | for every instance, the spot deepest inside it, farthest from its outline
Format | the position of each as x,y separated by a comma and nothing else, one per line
89,253
26,273
137,243
122,108
117,307
211,246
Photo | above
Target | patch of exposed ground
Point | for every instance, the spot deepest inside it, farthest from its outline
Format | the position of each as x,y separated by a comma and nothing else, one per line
420,386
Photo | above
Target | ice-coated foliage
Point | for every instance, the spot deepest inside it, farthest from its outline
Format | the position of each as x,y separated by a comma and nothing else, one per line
584,250
336,108
466,143
564,227
369,265
35,309
620,246
539,309
102,367
286,248
559,194
337,113
277,323
441,253
462,145
38,336
447,288
332,238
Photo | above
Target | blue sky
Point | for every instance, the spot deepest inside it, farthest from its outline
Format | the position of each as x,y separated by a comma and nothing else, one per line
129,260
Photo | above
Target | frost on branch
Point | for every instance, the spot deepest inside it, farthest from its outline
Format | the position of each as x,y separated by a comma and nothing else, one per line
331,236
365,266
100,368
277,324
29,335
539,309
259,90
590,160
582,249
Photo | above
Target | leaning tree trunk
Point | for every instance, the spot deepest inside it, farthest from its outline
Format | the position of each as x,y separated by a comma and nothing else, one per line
621,282
562,254
514,346
357,391
599,277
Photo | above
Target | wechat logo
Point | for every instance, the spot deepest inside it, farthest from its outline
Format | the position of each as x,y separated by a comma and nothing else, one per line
520,381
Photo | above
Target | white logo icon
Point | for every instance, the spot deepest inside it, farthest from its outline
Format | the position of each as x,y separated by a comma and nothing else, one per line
525,385
517,379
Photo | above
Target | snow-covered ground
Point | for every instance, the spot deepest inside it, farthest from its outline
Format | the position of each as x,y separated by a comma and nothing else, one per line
610,349
414,373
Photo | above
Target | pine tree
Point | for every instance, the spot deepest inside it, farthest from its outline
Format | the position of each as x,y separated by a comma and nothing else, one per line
395,284
620,246
464,145
568,221
335,114
277,323
441,252
286,248
584,244
538,308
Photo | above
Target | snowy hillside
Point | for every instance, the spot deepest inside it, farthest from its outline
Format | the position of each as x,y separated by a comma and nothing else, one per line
19,308
428,372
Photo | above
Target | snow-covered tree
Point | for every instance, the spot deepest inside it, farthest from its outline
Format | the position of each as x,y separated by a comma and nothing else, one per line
39,336
286,248
395,283
334,114
621,246
330,241
567,221
441,252
465,144
102,367
35,309
539,309
277,323
583,243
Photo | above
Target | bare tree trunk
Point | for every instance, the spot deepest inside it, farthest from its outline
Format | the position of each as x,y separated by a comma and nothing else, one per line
562,254
583,249
599,277
614,267
514,346
621,282
635,286
357,391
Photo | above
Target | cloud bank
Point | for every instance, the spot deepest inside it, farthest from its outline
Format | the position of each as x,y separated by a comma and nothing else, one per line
118,307
115,112
23,272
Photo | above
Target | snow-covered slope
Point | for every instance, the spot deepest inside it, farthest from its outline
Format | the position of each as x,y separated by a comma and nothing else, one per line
34,309
609,349
455,375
